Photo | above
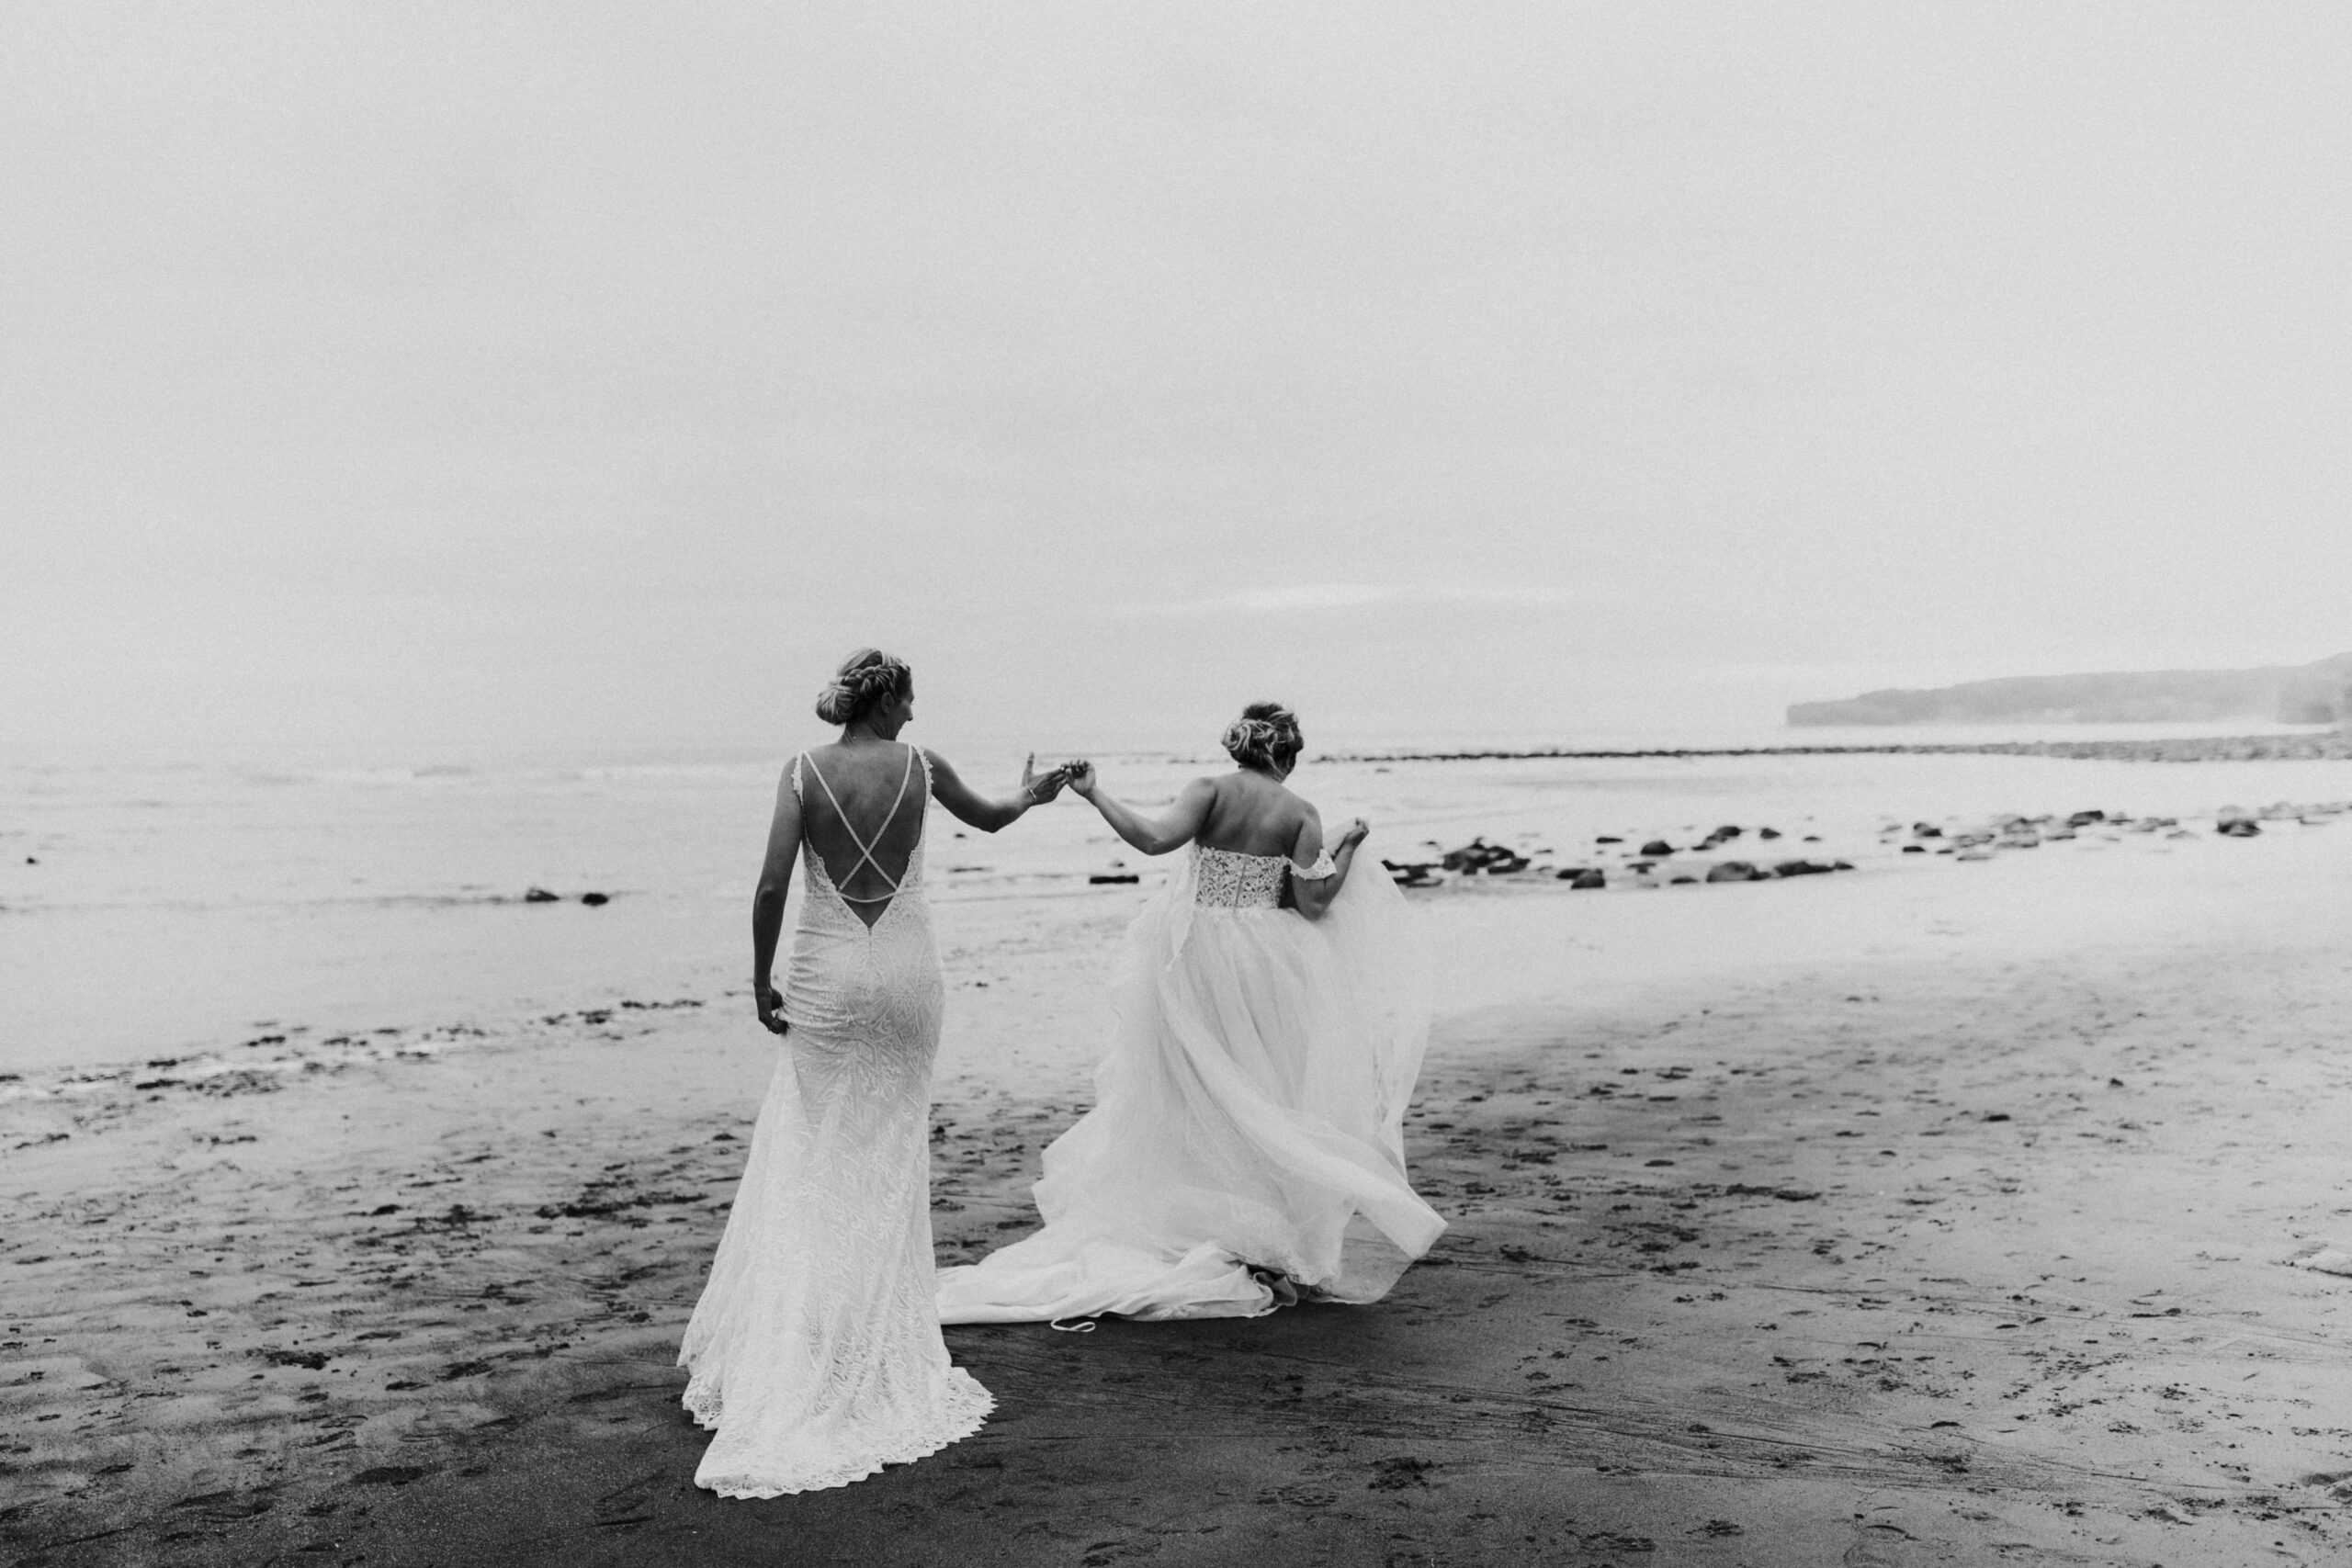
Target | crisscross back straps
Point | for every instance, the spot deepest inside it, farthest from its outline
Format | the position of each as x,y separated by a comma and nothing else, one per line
864,850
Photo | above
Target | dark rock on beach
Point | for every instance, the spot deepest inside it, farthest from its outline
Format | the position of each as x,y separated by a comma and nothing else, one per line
1586,879
541,895
2236,822
1479,857
1736,871
1657,847
1099,879
595,900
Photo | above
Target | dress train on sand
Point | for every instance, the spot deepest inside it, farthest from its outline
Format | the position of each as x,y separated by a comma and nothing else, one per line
1246,1146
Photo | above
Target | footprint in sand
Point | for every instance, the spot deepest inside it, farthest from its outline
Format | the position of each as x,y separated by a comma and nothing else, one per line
1879,1546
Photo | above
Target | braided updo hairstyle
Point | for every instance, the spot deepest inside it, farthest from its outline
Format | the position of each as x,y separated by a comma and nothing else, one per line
868,679
1266,737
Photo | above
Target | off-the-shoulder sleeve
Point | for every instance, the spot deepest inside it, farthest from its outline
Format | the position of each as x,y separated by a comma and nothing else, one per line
1322,868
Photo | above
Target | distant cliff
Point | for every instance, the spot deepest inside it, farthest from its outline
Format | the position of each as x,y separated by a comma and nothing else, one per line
2300,694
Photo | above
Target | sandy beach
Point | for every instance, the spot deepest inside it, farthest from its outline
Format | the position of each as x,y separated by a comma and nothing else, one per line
1874,1219
1813,537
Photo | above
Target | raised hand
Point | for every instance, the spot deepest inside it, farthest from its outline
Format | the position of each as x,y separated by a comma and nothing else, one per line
1037,787
1081,775
1353,833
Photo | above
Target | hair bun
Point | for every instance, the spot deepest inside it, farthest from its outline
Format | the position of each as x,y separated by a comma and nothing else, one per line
1266,737
867,680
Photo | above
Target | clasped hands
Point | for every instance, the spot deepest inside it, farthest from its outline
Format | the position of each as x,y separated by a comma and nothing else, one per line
1038,788
1078,775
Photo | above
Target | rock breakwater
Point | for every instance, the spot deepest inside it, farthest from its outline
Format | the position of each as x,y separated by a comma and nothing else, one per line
2329,745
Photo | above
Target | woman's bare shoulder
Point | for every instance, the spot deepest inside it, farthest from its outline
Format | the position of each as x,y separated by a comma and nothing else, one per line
1279,810
1294,805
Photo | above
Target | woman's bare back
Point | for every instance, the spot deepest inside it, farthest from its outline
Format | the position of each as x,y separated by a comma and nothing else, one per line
880,788
1254,814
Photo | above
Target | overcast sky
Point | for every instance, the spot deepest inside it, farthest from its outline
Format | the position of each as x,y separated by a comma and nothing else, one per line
419,380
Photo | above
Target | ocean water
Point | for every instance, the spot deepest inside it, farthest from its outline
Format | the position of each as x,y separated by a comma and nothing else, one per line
158,913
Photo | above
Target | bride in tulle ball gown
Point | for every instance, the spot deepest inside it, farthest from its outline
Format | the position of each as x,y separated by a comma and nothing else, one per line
1246,1146
815,1353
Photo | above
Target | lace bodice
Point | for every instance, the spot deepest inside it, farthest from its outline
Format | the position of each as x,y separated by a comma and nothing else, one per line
1227,879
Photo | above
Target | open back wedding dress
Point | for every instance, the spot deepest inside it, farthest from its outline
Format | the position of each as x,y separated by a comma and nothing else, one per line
1246,1145
815,1351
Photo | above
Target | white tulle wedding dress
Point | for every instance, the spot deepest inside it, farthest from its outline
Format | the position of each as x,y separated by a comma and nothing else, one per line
1246,1146
815,1351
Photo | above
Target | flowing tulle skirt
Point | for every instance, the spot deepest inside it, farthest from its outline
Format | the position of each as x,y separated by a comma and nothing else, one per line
1247,1140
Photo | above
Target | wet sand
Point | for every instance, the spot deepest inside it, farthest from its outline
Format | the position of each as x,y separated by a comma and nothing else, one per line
1863,1251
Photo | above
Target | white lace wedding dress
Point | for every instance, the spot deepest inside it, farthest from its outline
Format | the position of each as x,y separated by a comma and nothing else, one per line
815,1351
1246,1145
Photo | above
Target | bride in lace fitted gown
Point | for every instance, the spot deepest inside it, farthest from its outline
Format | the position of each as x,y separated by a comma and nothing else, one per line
815,1353
1246,1145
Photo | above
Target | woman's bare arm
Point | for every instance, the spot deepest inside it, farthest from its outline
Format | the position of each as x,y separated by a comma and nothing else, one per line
1152,836
977,810
1314,894
767,903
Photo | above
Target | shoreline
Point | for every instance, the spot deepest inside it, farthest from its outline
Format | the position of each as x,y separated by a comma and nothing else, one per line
344,908
1034,924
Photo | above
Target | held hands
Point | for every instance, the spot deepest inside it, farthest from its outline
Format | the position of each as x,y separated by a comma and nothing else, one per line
1038,788
1081,775
766,998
